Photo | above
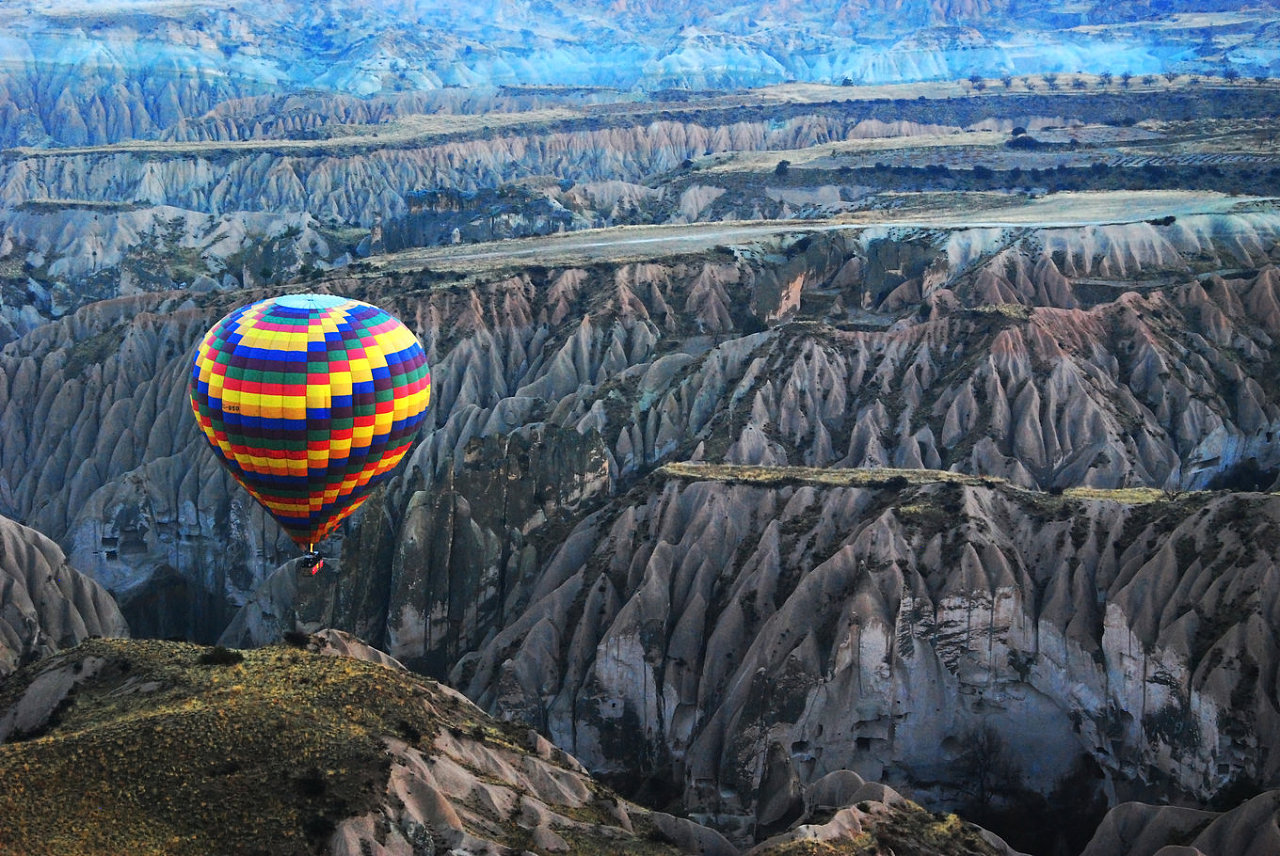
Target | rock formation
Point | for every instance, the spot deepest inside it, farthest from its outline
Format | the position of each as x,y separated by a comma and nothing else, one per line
751,638
641,519
267,749
148,71
843,809
990,351
1134,829
267,189
45,604
1111,356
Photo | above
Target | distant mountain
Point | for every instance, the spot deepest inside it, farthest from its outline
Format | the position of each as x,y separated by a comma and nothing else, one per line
90,72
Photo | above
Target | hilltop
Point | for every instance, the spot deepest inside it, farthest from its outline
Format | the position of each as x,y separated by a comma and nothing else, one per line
327,746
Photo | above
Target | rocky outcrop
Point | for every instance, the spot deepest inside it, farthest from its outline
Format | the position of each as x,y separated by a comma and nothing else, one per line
1134,829
45,604
556,386
871,814
727,631
364,758
415,767
362,181
1000,352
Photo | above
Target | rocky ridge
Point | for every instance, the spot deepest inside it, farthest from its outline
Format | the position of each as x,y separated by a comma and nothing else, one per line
46,603
1145,830
99,74
266,189
306,749
1008,352
732,622
1111,355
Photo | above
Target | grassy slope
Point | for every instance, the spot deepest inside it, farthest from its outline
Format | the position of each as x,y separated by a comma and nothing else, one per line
161,754
901,828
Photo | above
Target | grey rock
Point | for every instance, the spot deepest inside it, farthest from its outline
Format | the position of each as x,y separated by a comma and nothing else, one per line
45,604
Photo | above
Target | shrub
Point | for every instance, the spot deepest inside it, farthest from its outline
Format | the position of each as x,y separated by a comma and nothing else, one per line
296,639
311,783
219,656
895,483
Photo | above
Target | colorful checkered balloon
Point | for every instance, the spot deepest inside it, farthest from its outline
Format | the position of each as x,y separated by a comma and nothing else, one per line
310,400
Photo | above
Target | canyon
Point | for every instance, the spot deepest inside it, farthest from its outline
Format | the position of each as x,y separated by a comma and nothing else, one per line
833,427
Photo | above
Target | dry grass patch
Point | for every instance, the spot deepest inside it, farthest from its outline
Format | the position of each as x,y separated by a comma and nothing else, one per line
835,477
1012,311
902,828
159,753
1124,495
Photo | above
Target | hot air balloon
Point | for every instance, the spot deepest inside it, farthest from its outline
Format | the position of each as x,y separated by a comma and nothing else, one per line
310,400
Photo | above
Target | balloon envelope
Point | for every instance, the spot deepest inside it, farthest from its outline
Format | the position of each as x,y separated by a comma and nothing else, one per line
310,400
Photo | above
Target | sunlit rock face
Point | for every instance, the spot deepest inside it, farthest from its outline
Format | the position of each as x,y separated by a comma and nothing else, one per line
45,604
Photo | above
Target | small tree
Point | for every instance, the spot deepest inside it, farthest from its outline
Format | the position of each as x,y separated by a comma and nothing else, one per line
1078,83
1259,79
1007,80
1170,76
1148,79
782,168
1126,78
848,81
986,767
976,81
1231,75
1105,78
1051,81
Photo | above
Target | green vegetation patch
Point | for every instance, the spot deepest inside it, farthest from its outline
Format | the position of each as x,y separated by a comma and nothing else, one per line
178,749
93,351
1123,495
835,477
904,828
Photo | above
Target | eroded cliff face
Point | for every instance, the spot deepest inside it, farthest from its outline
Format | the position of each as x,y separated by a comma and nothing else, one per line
723,633
101,453
144,71
702,625
1009,352
45,604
